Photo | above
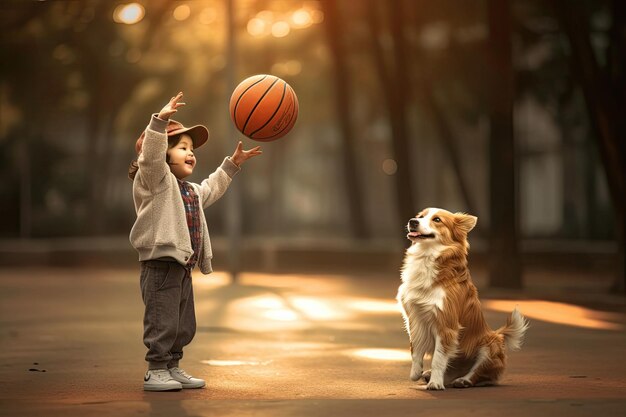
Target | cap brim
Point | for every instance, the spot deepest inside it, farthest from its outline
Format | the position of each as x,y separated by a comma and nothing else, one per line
199,134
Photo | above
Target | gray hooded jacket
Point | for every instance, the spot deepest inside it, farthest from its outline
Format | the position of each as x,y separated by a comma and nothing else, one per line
161,226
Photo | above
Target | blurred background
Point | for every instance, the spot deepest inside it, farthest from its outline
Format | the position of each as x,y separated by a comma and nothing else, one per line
508,110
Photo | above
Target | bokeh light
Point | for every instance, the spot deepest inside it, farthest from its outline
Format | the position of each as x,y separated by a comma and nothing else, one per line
266,15
317,16
129,14
133,55
289,68
280,29
390,167
280,25
301,18
220,362
207,16
383,354
258,27
182,12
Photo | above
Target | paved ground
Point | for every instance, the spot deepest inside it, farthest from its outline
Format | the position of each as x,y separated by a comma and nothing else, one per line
295,344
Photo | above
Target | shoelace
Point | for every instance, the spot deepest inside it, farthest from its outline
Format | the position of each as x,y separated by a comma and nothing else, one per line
181,372
162,375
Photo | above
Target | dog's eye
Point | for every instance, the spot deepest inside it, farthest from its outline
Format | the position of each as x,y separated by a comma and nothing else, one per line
420,217
437,219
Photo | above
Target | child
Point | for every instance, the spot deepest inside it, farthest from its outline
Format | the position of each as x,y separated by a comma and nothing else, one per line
171,237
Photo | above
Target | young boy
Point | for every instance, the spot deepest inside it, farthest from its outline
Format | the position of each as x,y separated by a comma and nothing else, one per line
171,237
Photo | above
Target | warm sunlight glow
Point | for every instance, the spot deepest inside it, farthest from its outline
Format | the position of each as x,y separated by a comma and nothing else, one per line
559,313
258,27
217,362
323,283
289,68
280,29
281,315
317,16
266,15
301,18
279,25
382,354
216,279
265,302
182,12
293,67
375,306
128,13
207,16
315,308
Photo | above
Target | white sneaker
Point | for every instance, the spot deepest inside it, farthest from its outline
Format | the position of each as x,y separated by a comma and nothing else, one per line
186,380
160,380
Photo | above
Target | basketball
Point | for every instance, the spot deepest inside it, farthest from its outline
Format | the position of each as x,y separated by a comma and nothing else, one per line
264,107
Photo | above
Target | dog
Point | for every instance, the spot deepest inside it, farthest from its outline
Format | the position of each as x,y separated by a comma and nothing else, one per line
441,309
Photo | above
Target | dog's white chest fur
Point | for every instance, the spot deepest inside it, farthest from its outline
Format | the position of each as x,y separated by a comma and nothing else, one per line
419,298
419,274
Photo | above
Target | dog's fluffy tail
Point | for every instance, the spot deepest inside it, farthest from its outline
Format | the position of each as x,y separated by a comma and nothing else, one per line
514,330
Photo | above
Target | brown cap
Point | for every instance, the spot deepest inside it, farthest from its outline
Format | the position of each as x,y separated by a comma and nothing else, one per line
199,134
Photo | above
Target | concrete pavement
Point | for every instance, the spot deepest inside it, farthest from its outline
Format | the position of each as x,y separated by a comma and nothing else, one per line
294,344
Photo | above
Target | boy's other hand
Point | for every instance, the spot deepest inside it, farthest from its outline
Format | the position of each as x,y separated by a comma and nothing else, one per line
170,108
240,156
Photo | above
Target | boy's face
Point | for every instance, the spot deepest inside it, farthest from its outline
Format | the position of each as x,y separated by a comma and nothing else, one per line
181,157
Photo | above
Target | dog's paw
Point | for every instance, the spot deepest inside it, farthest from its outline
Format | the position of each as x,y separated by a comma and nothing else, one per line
462,383
426,376
435,386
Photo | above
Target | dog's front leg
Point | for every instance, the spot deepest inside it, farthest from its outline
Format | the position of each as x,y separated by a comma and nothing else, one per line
419,345
441,356
417,356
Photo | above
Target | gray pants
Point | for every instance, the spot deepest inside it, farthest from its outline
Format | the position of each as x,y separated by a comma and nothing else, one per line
169,322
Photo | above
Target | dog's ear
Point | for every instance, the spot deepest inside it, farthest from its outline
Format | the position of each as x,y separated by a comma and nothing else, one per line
465,221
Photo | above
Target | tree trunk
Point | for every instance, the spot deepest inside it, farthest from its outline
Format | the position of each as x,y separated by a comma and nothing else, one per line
427,99
425,94
358,224
394,89
603,95
504,259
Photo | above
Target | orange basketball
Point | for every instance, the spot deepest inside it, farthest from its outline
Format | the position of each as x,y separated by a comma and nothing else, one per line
264,107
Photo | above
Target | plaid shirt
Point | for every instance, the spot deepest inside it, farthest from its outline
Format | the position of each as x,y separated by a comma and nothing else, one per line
192,212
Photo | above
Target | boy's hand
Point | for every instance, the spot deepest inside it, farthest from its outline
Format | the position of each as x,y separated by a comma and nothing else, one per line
240,156
171,107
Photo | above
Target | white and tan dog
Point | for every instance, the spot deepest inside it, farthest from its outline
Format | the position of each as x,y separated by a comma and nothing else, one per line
441,309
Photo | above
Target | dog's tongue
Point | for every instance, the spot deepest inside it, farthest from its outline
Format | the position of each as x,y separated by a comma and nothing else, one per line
414,234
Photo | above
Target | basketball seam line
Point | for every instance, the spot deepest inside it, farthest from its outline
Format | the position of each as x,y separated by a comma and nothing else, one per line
239,99
275,111
285,127
257,105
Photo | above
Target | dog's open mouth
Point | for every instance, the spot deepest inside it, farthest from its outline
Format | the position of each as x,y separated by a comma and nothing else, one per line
418,235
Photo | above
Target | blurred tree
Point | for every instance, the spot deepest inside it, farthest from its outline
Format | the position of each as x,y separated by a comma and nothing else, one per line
70,71
394,79
426,79
504,259
76,88
604,89
333,23
31,85
106,78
